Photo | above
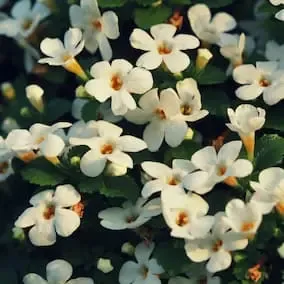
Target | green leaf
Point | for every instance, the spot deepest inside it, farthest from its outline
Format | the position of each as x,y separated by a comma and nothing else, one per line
215,101
215,3
211,75
42,172
56,108
269,151
55,75
121,186
90,110
91,185
181,2
111,3
145,2
183,151
147,17
274,118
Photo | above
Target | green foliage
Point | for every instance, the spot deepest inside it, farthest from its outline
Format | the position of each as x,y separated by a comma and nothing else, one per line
180,2
215,3
111,3
91,185
147,17
90,110
211,75
56,108
274,118
42,172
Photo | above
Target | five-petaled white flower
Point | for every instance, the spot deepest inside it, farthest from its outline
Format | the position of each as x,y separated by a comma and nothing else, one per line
165,178
118,81
185,214
40,137
244,218
109,146
164,47
97,28
57,271
216,246
50,215
130,216
25,19
60,54
245,120
163,113
209,29
217,167
145,271
269,191
265,77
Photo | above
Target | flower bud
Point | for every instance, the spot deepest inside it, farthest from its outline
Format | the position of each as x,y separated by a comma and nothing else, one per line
145,177
9,124
34,94
128,248
189,134
25,112
203,57
281,250
81,92
8,91
157,3
18,234
104,265
75,161
115,170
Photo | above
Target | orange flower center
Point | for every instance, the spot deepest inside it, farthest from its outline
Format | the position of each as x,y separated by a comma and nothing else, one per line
40,140
145,271
66,57
254,274
97,25
160,113
221,171
79,209
164,49
4,167
186,110
106,149
247,226
173,181
28,157
116,83
49,212
280,208
27,24
182,219
217,245
264,82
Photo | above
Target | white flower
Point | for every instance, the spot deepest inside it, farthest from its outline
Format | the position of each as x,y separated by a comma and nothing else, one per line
97,28
281,250
57,271
269,191
274,52
245,120
130,216
104,265
24,20
206,28
9,124
118,81
109,146
216,247
115,170
145,271
34,94
60,54
276,2
164,47
160,112
81,129
217,167
185,214
39,137
204,55
280,15
208,279
265,78
243,218
165,178
49,215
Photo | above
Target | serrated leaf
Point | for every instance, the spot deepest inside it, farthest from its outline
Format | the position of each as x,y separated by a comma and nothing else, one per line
211,76
91,185
41,172
147,17
56,108
89,111
111,3
269,151
122,186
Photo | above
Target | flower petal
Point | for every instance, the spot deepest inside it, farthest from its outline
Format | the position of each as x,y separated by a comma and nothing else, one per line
129,272
184,42
33,278
81,280
140,39
92,164
229,152
224,22
121,159
72,38
245,74
131,144
163,31
45,196
110,25
143,251
205,158
176,61
27,218
66,195
240,168
52,47
58,271
219,261
66,221
153,135
150,60
175,132
52,146
104,47
156,170
249,92
43,234
99,88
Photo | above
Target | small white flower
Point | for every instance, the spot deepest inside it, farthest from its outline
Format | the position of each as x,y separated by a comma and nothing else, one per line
163,47
217,167
104,265
276,2
264,78
118,81
160,112
128,248
24,20
81,129
109,146
206,278
130,216
39,137
166,178
269,191
97,28
34,94
145,271
280,15
185,214
209,29
57,271
216,246
49,215
243,218
60,54
245,120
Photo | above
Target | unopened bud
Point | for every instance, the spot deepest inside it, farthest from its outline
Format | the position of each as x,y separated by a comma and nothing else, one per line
9,124
281,250
203,57
157,3
81,92
75,161
189,134
8,91
104,265
18,234
145,177
34,94
25,112
115,170
128,248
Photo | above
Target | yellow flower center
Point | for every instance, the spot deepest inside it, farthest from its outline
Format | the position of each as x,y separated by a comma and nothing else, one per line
221,171
49,212
164,49
97,25
217,245
4,167
27,24
263,82
116,83
160,113
182,219
106,149
247,226
186,109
